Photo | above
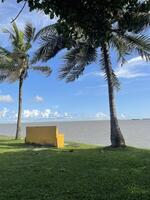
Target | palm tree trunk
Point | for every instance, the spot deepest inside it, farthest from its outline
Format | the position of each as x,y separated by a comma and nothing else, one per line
18,131
117,139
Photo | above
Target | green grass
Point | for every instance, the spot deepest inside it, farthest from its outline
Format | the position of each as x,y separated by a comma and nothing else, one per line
76,172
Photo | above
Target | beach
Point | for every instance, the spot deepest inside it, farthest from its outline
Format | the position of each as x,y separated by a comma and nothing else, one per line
136,132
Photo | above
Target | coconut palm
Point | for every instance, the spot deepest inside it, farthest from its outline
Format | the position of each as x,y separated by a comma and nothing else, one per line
84,53
15,64
123,36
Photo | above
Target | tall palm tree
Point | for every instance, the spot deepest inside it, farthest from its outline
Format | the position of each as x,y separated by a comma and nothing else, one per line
15,64
124,38
82,55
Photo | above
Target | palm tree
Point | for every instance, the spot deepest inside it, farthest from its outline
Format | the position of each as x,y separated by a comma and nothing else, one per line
124,38
15,64
84,54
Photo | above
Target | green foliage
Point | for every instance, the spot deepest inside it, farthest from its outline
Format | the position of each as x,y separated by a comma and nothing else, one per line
49,47
50,42
117,23
82,172
29,33
43,69
76,61
138,43
96,18
79,57
16,63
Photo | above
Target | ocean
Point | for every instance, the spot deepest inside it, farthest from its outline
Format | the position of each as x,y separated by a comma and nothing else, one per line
136,132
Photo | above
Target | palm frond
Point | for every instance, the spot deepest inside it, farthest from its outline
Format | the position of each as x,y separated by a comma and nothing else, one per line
14,64
121,48
144,6
70,62
51,42
43,69
47,30
139,44
3,77
135,22
11,35
4,52
16,37
49,46
139,21
76,61
6,66
9,72
15,30
18,41
29,32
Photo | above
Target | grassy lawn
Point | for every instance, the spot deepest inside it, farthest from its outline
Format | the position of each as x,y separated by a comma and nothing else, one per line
73,173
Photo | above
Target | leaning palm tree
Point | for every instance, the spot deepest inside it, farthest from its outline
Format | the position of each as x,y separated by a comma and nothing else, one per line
124,38
84,54
15,64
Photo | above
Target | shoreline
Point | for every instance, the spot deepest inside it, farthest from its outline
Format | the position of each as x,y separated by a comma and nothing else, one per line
76,120
136,132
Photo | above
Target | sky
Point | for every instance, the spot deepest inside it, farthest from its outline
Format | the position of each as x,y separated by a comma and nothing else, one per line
48,98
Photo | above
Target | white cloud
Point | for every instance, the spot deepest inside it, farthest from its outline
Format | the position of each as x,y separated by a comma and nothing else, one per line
6,98
39,99
30,113
67,116
3,112
101,115
45,114
34,114
133,68
123,116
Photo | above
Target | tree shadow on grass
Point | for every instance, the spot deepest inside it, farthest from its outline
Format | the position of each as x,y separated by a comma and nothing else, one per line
12,144
45,174
21,144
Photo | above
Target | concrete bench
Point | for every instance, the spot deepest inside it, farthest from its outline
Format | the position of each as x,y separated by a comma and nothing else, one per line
44,135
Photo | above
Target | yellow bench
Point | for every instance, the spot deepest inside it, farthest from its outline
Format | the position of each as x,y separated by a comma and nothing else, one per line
44,135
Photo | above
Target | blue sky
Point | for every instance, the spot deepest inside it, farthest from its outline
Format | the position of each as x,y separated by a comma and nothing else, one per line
86,98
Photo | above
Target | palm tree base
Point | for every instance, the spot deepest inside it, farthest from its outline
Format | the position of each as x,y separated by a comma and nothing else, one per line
118,146
18,138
